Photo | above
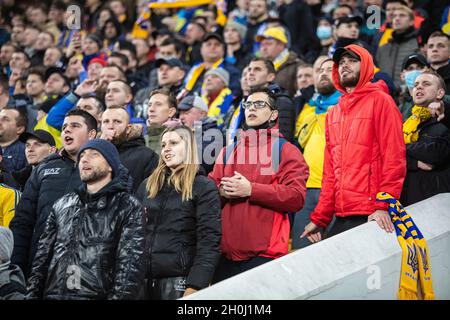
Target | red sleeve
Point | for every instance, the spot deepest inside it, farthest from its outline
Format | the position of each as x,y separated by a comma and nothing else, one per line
217,173
289,194
389,133
324,211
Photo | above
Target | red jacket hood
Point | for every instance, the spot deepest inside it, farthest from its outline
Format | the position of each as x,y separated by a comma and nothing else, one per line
364,85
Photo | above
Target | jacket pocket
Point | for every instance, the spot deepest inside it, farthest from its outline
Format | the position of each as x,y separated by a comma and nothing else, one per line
182,256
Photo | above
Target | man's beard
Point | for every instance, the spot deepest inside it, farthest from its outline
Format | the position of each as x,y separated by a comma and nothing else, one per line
349,82
327,88
94,176
121,138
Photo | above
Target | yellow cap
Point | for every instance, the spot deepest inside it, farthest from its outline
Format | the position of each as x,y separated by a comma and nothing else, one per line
276,33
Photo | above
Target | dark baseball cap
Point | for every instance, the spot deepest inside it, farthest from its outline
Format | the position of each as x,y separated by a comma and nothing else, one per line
60,71
344,51
414,58
213,35
172,62
41,135
348,19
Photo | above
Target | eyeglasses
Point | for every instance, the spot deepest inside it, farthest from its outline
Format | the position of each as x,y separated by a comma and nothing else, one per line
257,104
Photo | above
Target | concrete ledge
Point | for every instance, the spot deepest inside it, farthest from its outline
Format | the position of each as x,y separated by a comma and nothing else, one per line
362,263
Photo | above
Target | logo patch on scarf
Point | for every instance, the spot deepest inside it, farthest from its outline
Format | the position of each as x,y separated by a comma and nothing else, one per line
412,258
423,253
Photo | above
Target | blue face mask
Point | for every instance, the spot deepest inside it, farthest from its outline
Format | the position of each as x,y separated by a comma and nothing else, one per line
411,76
323,32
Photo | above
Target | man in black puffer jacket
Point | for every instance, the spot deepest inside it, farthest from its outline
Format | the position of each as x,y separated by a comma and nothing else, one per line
56,176
93,243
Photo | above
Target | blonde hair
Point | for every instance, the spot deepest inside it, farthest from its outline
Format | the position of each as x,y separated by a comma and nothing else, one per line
181,177
406,9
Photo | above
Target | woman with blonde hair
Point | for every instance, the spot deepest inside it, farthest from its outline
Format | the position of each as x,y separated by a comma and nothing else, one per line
183,228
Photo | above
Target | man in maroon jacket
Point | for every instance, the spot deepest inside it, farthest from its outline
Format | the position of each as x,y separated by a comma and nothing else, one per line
260,179
364,152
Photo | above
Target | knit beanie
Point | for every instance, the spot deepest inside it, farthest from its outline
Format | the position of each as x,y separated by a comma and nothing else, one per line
108,151
239,27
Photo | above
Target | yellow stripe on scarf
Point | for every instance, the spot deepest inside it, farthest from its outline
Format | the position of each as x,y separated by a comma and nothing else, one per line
410,131
214,108
415,254
282,58
387,35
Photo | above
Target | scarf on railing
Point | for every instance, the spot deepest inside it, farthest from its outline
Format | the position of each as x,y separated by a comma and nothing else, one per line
415,254
410,131
282,58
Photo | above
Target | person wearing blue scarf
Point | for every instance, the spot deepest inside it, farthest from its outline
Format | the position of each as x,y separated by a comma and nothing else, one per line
310,133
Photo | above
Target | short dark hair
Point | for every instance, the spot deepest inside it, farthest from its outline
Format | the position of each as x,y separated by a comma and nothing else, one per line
90,121
123,58
10,44
42,6
171,99
171,41
24,54
268,63
38,71
100,104
113,65
269,93
438,34
126,85
127,45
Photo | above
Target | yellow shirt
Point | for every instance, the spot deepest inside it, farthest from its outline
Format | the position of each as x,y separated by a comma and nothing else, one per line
314,150
9,198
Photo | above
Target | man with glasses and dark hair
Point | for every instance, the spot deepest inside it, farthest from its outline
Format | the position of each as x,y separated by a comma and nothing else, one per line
264,176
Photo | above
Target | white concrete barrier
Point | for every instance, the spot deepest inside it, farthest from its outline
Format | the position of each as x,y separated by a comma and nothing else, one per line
362,263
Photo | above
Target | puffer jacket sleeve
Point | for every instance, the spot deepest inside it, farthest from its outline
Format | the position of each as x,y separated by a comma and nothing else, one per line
389,135
41,262
23,223
325,209
288,195
209,233
432,150
130,259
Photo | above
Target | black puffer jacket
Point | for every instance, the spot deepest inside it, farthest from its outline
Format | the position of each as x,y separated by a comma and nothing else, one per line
432,147
183,238
286,111
56,176
138,159
92,247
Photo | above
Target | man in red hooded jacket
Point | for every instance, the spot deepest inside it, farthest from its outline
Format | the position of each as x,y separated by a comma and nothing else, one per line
364,153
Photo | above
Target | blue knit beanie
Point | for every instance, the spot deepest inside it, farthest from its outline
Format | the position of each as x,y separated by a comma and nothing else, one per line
108,151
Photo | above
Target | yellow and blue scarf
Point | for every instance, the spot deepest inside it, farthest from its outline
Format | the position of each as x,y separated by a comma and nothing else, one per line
282,58
415,254
220,106
411,125
196,71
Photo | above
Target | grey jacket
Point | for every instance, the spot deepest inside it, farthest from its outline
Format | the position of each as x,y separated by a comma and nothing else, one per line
390,56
